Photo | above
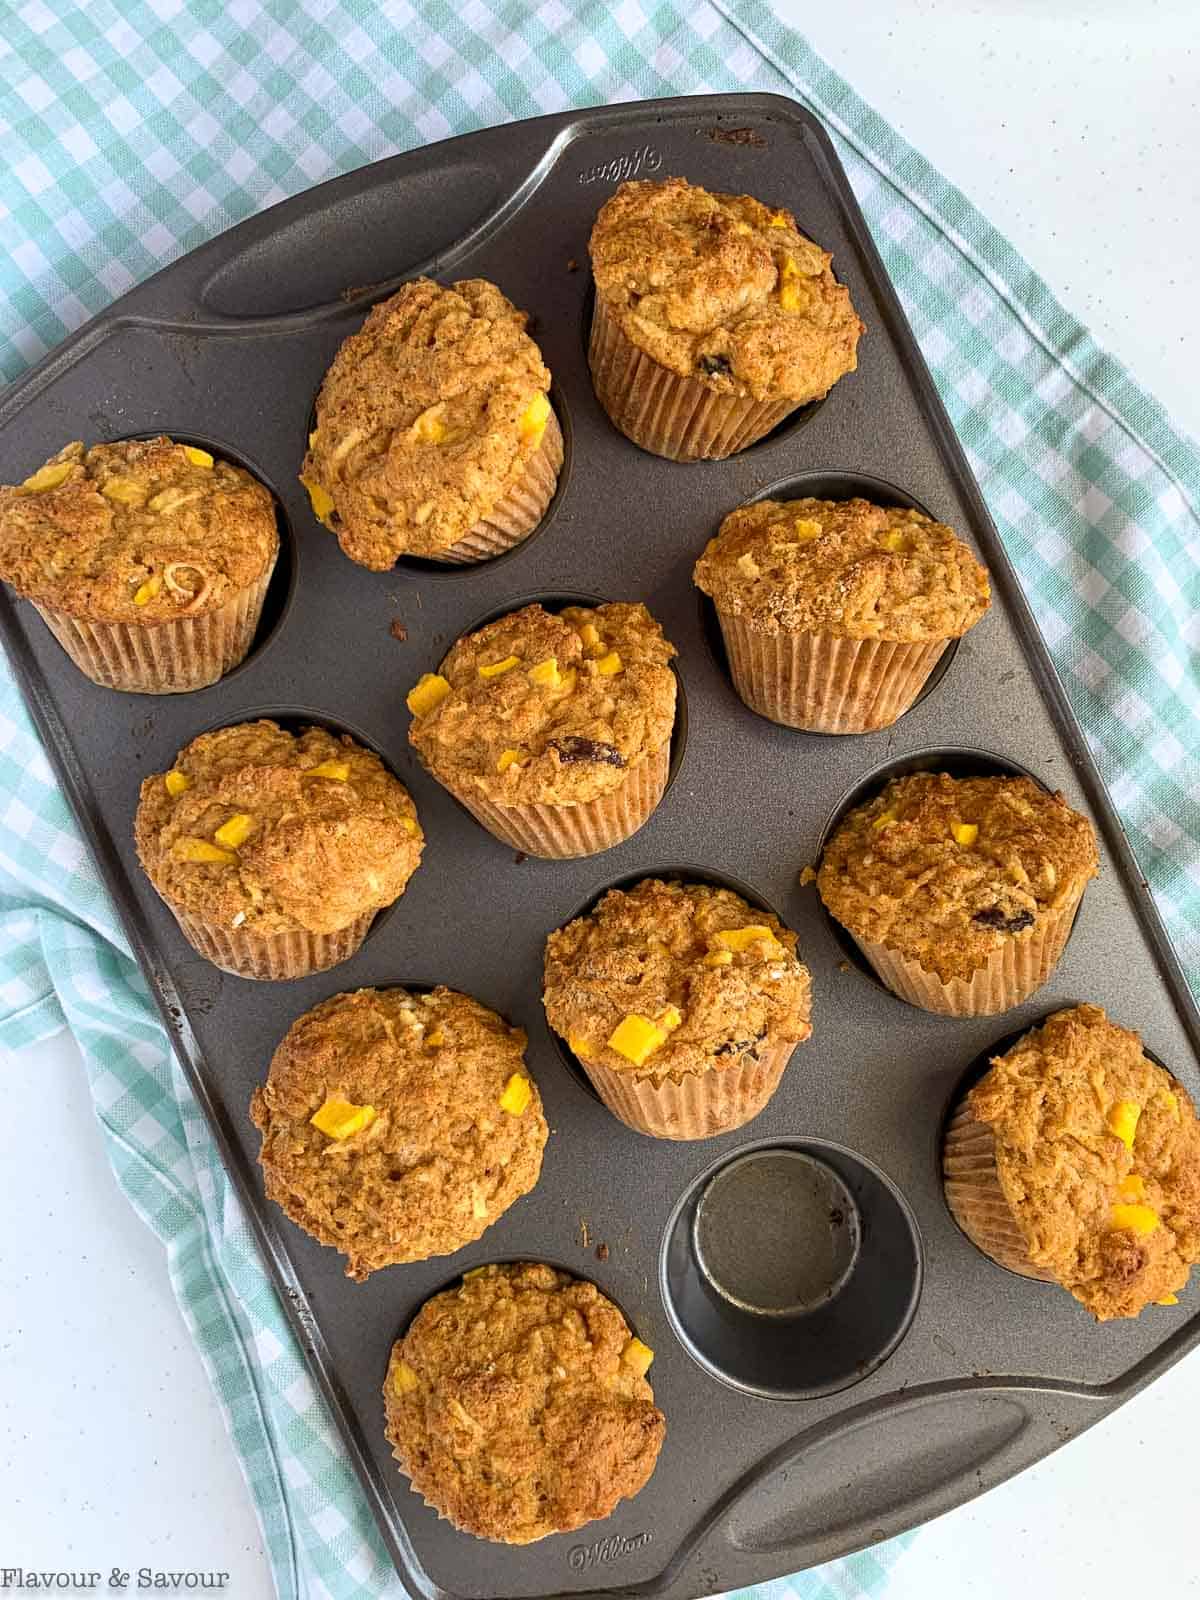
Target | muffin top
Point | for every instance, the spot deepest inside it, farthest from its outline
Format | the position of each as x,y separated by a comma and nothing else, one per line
547,708
843,567
722,288
669,978
273,832
426,417
518,1404
398,1126
142,531
1098,1154
945,870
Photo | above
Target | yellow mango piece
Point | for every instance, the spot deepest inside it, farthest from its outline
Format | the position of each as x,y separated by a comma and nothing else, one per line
1132,1187
319,498
508,758
177,783
429,691
590,634
1134,1219
497,669
404,1379
579,1046
896,540
546,673
670,1019
410,825
743,938
885,819
312,438
718,958
234,833
965,833
47,477
1171,1101
430,427
1168,1300
1123,1119
198,457
610,664
636,1038
517,1095
638,1356
145,592
566,683
202,850
125,491
340,1118
534,418
436,1038
791,296
338,771
806,529
780,219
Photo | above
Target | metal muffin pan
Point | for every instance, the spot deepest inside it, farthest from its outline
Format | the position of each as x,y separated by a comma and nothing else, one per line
228,346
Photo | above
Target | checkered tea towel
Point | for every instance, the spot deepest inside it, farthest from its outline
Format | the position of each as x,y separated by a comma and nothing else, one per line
133,132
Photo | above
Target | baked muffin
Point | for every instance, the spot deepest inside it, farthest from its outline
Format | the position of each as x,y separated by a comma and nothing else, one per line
683,1002
398,1126
835,612
148,560
275,850
960,892
1077,1160
434,436
518,1404
715,317
552,728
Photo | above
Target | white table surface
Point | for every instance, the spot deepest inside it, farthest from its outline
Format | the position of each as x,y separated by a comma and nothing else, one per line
1071,124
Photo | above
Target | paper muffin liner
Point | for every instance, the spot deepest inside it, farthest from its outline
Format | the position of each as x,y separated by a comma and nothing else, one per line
172,657
558,832
976,1198
697,1105
825,684
684,419
274,957
519,509
1010,974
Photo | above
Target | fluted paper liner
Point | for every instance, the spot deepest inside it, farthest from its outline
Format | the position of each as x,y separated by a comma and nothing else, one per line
1010,974
976,1197
558,832
684,419
519,509
171,657
272,957
696,1105
824,684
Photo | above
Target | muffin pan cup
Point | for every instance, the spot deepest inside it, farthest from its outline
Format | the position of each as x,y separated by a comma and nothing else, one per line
937,1374
519,509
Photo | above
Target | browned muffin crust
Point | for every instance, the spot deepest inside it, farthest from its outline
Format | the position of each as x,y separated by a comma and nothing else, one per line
438,1160
895,873
518,740
511,1409
662,951
426,417
843,567
143,531
1051,1104
723,288
320,852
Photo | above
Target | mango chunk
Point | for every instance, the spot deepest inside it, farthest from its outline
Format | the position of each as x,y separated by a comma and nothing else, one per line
670,1019
637,1356
202,850
497,669
1135,1219
791,295
590,634
198,457
177,783
742,938
319,498
965,833
429,691
546,673
410,825
806,529
885,819
234,833
1168,1300
430,427
47,477
518,1092
566,683
125,491
404,1379
718,958
1132,1187
780,219
340,1118
1171,1101
145,592
534,418
636,1038
610,664
436,1038
896,540
338,771
579,1046
508,758
1123,1119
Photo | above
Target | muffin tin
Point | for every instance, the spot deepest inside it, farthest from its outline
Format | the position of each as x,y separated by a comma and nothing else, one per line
896,1372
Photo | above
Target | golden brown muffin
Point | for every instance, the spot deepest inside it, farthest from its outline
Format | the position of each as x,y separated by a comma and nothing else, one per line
961,891
276,850
714,318
683,1002
149,560
434,435
540,716
398,1126
1077,1159
518,1405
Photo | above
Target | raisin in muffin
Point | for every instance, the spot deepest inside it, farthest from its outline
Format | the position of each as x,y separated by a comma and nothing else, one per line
276,850
1076,1159
517,1404
148,560
434,435
683,1002
961,892
715,317
553,728
398,1126
835,612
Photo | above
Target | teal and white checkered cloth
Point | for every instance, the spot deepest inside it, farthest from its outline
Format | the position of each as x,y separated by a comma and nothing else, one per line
134,131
